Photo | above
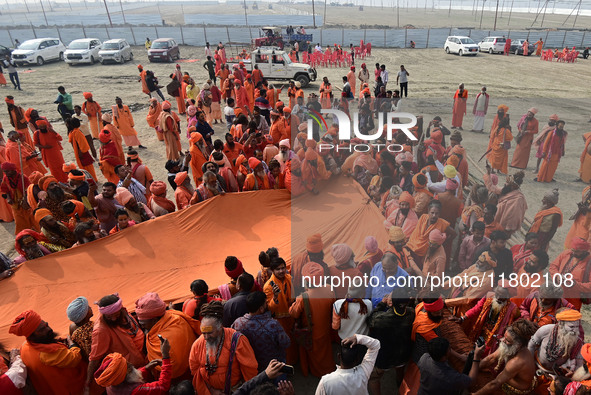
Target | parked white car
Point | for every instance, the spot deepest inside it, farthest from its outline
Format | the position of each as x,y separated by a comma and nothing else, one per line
461,45
39,51
492,45
117,50
84,50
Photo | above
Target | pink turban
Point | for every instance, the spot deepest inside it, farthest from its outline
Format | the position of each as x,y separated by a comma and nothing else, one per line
436,236
149,306
166,105
180,178
371,244
579,244
284,143
192,110
123,196
112,308
314,271
341,253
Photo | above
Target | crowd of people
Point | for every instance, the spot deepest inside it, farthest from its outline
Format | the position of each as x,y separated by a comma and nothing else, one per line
245,336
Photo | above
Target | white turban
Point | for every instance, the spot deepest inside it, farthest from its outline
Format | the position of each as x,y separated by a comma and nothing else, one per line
284,143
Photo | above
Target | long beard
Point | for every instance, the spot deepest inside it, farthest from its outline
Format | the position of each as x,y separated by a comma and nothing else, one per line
133,377
57,194
260,174
507,352
284,155
567,340
496,306
211,346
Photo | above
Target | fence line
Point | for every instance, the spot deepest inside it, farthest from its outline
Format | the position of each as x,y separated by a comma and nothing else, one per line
385,38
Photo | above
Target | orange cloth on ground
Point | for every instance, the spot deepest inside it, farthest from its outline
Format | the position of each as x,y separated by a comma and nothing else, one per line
181,331
106,339
318,360
117,139
244,365
419,239
459,109
93,111
585,169
80,145
523,149
498,156
125,123
53,368
423,325
52,157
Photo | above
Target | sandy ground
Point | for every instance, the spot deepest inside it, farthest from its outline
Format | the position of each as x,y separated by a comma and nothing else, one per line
519,82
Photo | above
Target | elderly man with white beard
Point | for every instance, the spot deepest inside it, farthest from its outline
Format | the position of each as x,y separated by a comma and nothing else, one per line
285,153
212,352
557,347
519,367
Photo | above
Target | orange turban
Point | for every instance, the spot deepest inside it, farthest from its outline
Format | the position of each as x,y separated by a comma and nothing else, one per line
485,257
150,306
436,236
180,178
104,136
41,213
314,243
310,155
569,315
87,95
112,371
253,162
407,197
313,271
42,123
554,117
166,105
311,144
503,107
66,168
78,210
437,136
81,177
416,183
396,234
25,324
195,137
453,160
45,181
586,352
35,176
158,188
28,114
295,163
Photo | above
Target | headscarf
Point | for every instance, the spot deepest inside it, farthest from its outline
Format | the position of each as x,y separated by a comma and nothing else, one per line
314,243
35,176
25,324
45,181
195,137
341,253
284,143
180,178
433,307
579,244
8,166
407,197
149,306
104,136
123,196
107,117
310,155
371,244
27,232
112,371
533,110
158,188
166,105
436,236
9,101
569,315
87,95
78,309
111,308
313,271
437,136
66,168
503,107
41,213
453,160
396,234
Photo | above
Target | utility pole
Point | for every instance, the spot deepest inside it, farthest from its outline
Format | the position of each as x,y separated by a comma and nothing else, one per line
108,14
43,9
324,18
482,12
313,14
496,13
122,12
398,13
511,12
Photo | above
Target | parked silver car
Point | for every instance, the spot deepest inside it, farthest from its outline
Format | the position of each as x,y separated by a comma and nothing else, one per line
84,50
492,45
117,50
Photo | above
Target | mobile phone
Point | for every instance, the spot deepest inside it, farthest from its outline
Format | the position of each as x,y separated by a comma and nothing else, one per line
160,337
287,369
480,341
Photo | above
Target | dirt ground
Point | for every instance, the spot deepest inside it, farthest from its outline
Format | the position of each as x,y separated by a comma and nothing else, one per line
517,81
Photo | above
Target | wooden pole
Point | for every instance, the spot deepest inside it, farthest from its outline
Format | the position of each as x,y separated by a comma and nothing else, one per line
324,17
510,12
44,15
577,15
496,13
122,12
313,14
108,14
482,12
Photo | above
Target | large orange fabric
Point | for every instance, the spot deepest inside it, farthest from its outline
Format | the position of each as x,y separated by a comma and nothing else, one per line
53,369
181,331
244,366
253,221
80,145
52,157
318,360
419,239
93,111
499,156
459,109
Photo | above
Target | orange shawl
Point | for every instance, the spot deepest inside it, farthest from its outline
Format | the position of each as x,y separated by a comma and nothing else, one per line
423,325
544,213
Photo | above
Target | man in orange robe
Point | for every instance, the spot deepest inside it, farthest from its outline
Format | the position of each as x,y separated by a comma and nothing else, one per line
527,127
418,241
184,190
498,155
115,330
249,88
180,98
93,110
81,148
109,157
459,109
13,192
539,45
180,329
54,366
222,74
142,79
257,179
273,94
351,79
18,120
325,93
574,261
170,132
107,120
582,219
242,102
279,127
49,142
199,156
29,159
257,75
153,116
541,305
209,368
547,220
552,151
315,358
123,119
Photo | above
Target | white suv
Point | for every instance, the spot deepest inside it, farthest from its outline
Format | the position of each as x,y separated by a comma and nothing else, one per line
492,45
117,50
461,45
39,51
84,50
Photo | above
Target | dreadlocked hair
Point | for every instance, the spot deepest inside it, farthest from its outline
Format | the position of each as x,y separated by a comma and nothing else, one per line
213,309
523,330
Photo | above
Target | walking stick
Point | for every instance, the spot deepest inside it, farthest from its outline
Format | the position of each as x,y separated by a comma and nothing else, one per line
20,158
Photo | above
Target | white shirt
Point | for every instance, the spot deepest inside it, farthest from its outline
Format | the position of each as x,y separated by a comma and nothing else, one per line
351,381
229,111
402,77
208,53
439,187
17,373
384,75
83,118
355,324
